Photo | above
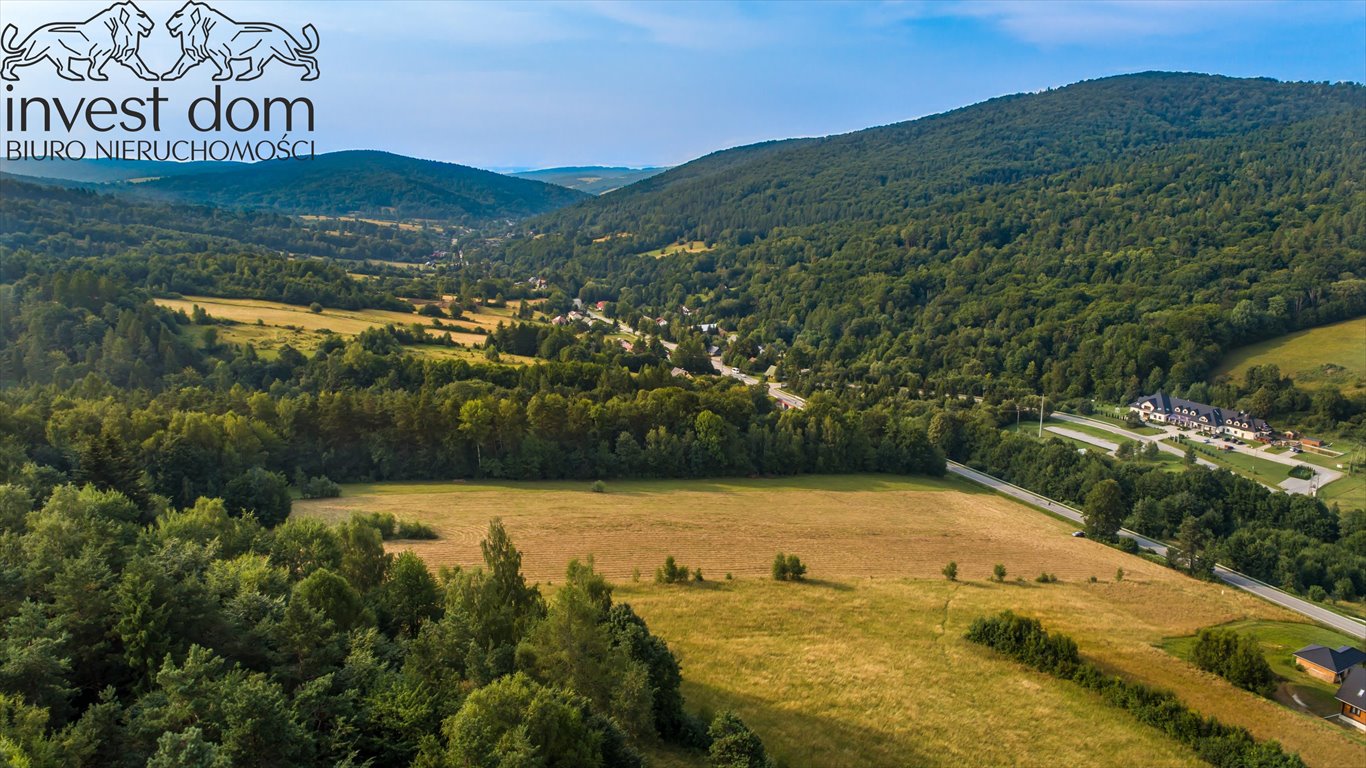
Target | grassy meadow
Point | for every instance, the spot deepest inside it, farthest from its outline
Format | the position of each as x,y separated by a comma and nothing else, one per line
281,324
1330,354
1278,641
864,664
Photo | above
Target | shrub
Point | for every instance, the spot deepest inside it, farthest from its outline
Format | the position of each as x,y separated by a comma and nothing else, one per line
1317,593
315,308
410,529
431,310
697,574
390,527
998,573
1236,658
951,571
671,572
1127,545
1119,574
320,487
734,745
599,486
788,568
1046,578
1301,472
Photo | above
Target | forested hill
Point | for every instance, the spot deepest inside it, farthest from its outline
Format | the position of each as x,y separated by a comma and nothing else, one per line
374,184
1106,237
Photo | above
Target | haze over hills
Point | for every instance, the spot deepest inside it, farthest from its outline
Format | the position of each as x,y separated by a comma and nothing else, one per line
368,183
107,171
1095,238
594,179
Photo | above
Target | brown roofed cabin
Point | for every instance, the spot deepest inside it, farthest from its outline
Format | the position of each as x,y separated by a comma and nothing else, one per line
1328,664
1352,697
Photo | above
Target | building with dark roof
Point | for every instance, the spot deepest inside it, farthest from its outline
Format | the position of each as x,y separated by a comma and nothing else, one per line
1352,697
1206,419
1329,664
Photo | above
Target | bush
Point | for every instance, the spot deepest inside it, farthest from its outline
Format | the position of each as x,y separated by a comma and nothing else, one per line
998,573
1235,657
390,527
734,745
315,308
1046,578
1301,472
671,572
1126,544
320,487
409,529
599,486
1317,593
788,568
431,310
951,571
1119,575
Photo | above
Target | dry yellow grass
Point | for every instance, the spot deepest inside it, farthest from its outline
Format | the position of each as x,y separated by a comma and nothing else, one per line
865,664
295,325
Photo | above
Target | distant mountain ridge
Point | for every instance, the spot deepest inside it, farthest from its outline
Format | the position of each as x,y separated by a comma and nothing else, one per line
594,179
366,183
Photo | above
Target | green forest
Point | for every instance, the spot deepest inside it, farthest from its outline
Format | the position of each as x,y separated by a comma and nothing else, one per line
1107,238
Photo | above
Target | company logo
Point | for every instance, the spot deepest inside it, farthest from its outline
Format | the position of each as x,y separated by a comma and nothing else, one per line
117,32
114,34
209,35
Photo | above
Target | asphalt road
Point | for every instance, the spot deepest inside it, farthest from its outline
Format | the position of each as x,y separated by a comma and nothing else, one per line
1344,624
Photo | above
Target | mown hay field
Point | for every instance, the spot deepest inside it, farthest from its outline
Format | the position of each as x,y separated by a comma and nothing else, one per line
865,664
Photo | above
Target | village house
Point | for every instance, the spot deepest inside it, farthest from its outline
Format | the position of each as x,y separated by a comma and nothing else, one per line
1328,664
1352,697
1205,419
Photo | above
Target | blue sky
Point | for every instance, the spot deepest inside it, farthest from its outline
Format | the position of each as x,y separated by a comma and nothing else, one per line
513,85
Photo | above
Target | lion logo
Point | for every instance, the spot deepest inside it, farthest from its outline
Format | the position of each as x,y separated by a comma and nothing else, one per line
113,34
208,35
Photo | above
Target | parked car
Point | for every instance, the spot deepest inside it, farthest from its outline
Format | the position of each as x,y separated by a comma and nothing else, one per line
735,371
1078,534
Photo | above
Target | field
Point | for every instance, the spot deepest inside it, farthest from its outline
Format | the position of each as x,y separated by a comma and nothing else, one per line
295,325
1331,354
1278,641
865,663
692,246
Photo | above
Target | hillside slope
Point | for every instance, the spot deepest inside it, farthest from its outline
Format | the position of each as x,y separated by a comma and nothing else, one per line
1099,238
376,184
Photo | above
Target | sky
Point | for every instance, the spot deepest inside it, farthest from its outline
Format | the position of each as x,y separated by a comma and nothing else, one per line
533,85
